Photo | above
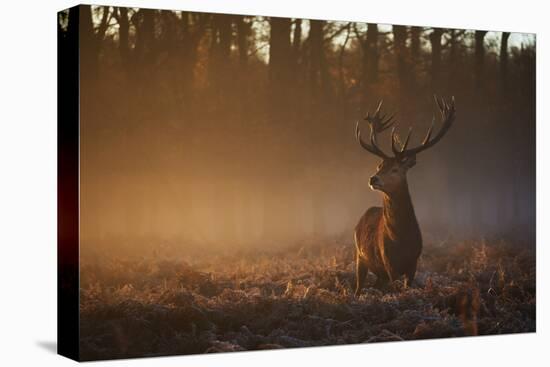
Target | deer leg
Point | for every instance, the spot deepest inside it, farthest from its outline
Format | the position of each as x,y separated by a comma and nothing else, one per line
361,271
409,276
381,281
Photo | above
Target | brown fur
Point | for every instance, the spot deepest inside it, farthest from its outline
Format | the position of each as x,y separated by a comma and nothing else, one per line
388,240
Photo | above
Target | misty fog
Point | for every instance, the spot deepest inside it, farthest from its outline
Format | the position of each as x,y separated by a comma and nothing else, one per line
190,135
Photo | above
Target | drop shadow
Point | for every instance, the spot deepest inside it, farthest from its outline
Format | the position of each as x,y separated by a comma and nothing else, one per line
50,346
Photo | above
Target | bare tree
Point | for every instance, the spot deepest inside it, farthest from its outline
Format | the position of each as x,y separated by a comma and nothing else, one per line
504,59
243,34
193,28
121,16
435,40
402,62
144,22
479,57
220,52
370,59
279,50
318,74
297,41
92,38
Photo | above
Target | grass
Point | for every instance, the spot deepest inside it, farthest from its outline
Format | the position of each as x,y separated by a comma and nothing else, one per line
299,297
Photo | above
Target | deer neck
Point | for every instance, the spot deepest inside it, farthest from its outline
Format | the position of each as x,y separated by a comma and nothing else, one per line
399,217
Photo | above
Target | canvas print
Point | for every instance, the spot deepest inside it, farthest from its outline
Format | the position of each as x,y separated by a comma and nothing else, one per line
238,182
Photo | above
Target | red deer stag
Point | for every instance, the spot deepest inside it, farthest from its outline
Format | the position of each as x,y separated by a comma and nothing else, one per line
387,239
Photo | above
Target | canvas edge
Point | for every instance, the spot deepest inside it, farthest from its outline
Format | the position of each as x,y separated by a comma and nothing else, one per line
68,213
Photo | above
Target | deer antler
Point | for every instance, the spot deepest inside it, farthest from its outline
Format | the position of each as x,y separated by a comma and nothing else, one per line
447,111
377,124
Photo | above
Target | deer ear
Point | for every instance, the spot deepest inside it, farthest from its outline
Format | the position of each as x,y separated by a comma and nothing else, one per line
409,161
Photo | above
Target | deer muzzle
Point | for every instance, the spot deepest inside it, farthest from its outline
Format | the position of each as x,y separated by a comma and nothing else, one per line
375,182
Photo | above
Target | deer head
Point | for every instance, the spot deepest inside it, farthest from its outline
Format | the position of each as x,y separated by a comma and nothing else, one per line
391,173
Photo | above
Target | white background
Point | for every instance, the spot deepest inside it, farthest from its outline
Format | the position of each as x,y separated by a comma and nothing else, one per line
28,183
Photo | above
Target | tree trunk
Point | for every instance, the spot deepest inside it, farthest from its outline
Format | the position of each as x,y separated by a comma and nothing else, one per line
479,57
220,51
453,57
280,58
435,41
480,180
279,50
243,35
415,43
145,36
89,47
318,78
191,37
224,28
372,54
224,62
123,34
415,56
370,61
400,48
342,87
502,116
504,60
297,41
